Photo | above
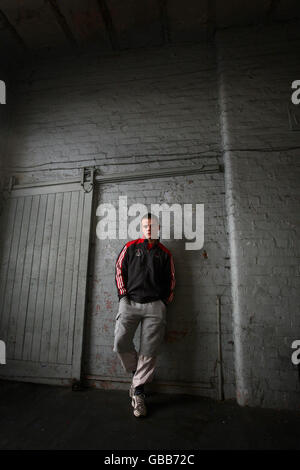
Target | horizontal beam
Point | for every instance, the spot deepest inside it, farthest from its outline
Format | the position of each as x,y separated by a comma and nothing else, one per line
184,387
124,177
161,173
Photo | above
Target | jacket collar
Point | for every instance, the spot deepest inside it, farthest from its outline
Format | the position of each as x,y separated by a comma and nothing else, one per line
145,241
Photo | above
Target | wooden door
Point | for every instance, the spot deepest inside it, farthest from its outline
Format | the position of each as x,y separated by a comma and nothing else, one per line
45,233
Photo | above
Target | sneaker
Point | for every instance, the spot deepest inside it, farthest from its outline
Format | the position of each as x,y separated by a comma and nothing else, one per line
140,389
138,403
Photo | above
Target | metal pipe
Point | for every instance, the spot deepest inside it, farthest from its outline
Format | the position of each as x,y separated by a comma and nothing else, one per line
159,173
124,177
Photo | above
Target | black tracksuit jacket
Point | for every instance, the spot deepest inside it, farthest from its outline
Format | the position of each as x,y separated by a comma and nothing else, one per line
145,272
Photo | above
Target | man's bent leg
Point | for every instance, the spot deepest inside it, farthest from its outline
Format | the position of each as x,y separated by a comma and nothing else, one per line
128,360
144,371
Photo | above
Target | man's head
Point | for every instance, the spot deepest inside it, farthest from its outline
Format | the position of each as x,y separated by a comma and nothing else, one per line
150,226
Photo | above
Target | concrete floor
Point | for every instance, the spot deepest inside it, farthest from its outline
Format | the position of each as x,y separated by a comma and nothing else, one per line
34,416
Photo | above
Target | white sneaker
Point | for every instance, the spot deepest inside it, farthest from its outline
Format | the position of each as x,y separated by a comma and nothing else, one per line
138,403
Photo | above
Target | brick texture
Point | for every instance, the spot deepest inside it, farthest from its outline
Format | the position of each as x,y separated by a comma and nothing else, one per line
256,68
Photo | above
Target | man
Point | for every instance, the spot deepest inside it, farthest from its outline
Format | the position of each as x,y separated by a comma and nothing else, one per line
145,279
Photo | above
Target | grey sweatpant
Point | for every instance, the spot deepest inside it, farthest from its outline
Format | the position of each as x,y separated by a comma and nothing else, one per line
152,317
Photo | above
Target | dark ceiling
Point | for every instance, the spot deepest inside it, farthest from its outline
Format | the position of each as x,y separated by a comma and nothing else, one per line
41,27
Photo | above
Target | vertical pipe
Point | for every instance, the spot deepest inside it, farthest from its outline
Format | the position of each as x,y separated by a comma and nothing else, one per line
230,189
220,362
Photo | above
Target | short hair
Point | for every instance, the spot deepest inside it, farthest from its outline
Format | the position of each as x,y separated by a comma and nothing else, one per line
149,215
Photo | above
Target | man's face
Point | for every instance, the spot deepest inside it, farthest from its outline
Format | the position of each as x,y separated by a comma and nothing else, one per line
150,228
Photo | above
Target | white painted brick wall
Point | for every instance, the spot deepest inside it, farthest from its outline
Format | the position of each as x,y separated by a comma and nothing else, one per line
256,68
136,108
190,351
